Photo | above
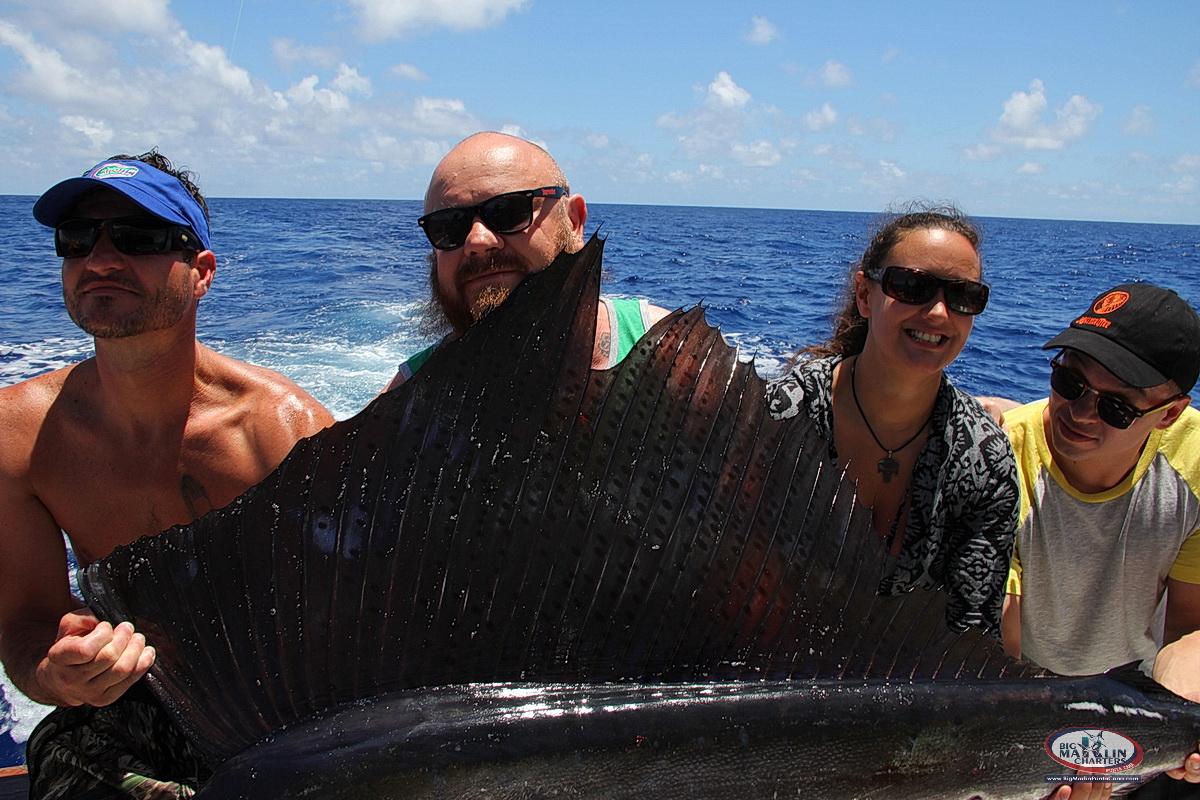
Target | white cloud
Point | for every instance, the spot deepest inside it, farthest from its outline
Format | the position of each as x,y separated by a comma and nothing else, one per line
1187,185
1021,122
672,121
878,128
882,176
386,19
836,75
726,130
1031,168
149,17
702,172
1189,162
211,62
98,132
306,93
349,82
821,119
407,72
322,132
763,31
289,55
445,117
982,152
890,54
759,154
845,157
1023,110
1193,76
1140,121
48,76
723,92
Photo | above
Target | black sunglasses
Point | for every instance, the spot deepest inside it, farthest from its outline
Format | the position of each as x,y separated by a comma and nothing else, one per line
134,236
916,287
1112,410
511,212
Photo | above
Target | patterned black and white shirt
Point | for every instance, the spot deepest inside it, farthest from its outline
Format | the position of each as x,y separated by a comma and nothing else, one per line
964,495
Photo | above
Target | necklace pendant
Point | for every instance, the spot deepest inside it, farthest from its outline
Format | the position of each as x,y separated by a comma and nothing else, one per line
888,467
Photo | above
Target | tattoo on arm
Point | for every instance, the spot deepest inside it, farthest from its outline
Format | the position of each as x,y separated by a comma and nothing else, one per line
604,345
194,496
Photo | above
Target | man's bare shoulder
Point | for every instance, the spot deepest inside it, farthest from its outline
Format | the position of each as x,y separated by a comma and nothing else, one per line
268,397
657,313
36,392
24,406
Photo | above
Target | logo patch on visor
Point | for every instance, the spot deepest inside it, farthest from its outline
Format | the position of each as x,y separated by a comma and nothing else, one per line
114,171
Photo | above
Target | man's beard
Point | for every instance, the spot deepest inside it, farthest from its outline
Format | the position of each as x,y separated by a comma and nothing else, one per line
443,315
158,311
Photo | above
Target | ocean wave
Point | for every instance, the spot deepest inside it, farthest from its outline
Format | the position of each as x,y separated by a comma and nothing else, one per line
23,360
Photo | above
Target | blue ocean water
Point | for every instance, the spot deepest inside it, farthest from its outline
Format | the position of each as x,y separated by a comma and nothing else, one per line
329,292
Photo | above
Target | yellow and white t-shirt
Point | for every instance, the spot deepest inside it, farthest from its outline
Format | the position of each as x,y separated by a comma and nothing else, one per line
1091,569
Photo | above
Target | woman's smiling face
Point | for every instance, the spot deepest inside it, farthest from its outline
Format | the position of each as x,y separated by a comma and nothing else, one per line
926,337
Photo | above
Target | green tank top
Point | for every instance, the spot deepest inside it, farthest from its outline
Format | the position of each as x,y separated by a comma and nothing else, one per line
632,319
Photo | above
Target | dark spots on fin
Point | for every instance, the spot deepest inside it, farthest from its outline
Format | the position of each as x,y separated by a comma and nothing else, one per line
509,514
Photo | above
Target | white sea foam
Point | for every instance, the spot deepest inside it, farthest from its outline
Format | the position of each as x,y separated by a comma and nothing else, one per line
23,360
23,715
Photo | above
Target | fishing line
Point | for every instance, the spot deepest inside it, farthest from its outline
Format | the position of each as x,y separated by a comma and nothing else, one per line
236,25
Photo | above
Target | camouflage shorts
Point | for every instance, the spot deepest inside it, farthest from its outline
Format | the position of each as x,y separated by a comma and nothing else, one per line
129,749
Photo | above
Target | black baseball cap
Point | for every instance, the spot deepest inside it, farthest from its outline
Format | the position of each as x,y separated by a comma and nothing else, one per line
1141,333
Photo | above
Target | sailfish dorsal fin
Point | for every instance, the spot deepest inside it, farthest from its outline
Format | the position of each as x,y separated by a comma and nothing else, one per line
511,515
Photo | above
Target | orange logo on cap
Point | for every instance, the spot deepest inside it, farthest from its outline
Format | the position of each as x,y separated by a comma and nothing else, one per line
1110,302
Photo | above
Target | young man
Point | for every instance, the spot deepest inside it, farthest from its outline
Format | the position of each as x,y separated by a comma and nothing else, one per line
498,208
1107,562
153,431
1110,469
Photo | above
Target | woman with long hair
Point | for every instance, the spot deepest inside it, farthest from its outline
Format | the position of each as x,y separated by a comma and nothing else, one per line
933,467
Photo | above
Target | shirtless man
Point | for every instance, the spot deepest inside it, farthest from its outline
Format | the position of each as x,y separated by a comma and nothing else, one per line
153,431
497,209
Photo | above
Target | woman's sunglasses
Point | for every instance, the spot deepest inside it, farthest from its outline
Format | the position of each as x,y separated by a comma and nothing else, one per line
916,287
511,212
1111,410
133,236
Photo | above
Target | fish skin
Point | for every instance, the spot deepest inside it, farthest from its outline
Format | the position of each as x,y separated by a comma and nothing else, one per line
511,517
706,741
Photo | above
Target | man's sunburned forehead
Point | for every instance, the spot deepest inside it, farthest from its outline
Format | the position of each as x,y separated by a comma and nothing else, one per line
476,189
475,174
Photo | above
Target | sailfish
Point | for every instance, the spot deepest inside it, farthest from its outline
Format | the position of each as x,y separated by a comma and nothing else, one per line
516,576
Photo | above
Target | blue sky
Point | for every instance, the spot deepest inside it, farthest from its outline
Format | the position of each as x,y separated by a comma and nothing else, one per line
1061,110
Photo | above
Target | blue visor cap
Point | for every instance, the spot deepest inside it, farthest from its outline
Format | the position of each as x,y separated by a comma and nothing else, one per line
154,190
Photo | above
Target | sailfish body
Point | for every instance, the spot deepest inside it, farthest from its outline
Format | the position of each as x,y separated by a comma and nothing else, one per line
517,577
